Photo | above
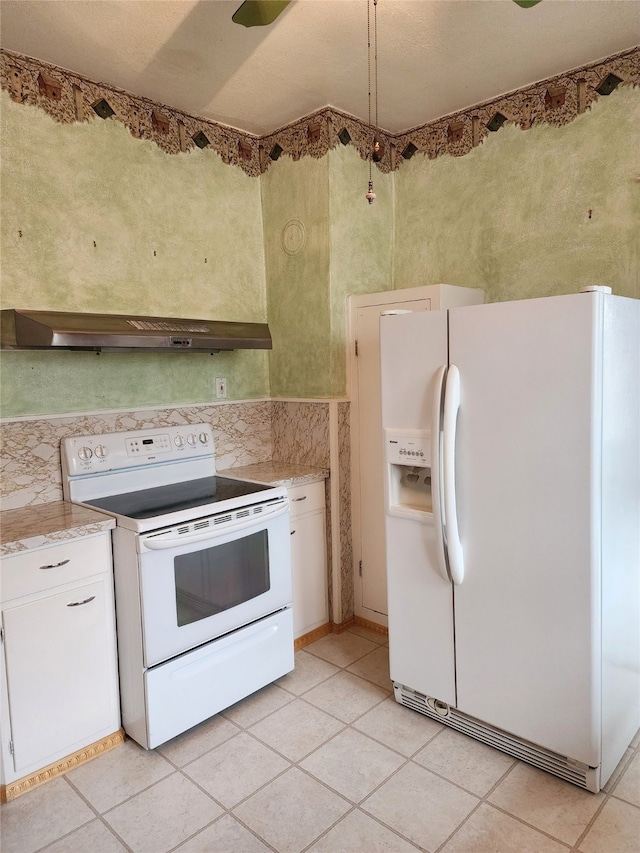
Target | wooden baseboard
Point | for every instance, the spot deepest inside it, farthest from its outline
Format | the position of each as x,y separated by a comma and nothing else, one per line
338,628
372,626
59,768
311,637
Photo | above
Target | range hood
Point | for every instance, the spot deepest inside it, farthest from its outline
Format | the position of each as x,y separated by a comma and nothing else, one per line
125,333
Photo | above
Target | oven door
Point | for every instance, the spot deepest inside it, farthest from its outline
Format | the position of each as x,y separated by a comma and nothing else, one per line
204,578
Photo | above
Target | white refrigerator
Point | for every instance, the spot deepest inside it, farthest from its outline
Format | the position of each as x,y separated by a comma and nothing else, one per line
512,474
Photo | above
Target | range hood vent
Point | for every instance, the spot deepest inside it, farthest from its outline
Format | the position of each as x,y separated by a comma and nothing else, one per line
124,333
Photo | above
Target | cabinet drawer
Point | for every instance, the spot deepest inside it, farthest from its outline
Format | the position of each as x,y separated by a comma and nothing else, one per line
308,498
37,571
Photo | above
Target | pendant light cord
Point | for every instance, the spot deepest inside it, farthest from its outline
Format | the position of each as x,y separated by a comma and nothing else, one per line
375,53
374,145
369,70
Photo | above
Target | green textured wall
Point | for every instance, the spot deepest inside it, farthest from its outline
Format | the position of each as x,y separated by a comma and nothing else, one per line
529,213
95,220
48,383
513,216
348,249
361,236
298,294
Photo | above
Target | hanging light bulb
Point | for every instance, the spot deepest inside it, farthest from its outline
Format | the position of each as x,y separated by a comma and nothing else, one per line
375,154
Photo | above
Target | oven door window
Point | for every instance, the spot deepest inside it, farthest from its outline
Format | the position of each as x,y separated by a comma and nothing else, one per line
214,579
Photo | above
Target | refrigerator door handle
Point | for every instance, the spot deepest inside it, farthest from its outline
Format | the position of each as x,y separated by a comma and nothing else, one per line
436,473
450,420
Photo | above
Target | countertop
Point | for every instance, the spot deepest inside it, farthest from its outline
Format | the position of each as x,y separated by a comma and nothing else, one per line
277,473
44,524
48,524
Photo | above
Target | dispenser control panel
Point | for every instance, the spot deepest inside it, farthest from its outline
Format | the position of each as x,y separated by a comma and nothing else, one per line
408,486
408,447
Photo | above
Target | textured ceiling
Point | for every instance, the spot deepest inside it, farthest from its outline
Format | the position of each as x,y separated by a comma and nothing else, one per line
434,56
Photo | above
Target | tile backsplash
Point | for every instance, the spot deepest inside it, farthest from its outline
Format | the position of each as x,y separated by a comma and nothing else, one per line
301,432
30,460
245,433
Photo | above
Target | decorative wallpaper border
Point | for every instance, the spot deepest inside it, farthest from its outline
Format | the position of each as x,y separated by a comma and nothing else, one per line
68,97
555,101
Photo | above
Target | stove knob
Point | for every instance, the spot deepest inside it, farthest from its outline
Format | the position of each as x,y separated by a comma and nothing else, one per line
85,453
204,438
192,438
178,441
101,451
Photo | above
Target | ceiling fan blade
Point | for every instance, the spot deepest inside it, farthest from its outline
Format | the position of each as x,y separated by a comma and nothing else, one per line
526,4
259,13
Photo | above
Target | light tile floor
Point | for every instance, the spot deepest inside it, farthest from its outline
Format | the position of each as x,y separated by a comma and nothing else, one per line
323,761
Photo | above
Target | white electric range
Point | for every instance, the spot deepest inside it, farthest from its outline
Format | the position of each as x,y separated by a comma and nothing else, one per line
202,570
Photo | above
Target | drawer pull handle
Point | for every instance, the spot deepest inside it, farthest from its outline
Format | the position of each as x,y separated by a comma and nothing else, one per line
292,532
79,603
295,500
55,565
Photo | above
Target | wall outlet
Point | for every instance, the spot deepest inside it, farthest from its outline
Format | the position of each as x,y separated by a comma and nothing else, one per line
221,387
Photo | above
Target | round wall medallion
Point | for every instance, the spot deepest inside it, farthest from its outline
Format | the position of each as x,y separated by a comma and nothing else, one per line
294,237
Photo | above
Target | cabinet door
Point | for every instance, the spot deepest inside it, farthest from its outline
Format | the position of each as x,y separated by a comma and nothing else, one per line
61,672
309,569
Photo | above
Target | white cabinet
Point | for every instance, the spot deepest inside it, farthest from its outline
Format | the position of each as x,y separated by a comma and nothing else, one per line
59,689
309,558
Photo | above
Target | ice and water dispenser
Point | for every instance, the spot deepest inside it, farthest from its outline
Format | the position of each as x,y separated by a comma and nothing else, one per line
408,464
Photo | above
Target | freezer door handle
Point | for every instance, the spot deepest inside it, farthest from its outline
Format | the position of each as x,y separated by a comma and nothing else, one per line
449,426
436,472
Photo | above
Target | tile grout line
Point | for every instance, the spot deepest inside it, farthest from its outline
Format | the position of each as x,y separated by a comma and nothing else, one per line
358,806
354,806
407,760
484,799
608,796
98,815
344,727
246,730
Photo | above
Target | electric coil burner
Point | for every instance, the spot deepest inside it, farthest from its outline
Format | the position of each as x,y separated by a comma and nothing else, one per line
202,571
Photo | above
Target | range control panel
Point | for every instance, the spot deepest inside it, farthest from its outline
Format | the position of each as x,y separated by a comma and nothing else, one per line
87,454
408,447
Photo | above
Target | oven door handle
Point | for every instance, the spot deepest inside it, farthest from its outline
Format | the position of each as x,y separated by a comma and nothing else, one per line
164,541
